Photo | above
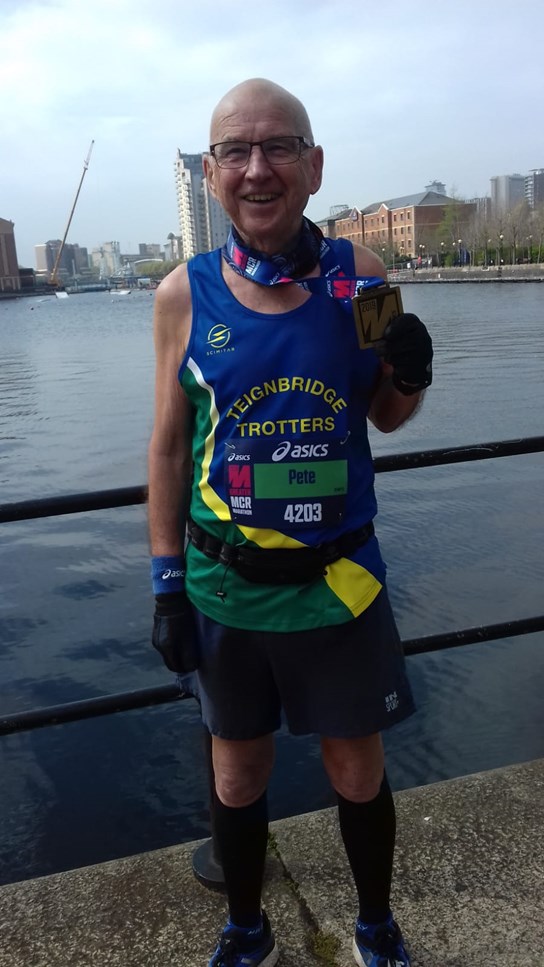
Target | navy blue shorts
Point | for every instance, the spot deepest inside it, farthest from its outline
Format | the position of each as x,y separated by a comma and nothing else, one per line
343,681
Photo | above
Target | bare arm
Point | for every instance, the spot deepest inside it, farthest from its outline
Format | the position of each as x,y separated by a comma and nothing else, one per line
169,457
389,409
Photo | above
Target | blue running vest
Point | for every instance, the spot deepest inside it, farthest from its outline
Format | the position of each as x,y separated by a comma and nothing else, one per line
280,450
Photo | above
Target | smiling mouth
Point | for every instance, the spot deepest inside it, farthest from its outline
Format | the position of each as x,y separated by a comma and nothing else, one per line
260,199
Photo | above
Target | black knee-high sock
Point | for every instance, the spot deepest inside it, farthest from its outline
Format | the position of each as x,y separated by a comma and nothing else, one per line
368,831
242,836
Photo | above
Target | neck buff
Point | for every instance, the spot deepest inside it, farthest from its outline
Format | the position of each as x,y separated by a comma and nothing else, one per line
310,249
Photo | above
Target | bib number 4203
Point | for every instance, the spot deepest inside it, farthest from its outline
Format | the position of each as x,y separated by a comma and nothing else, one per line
303,513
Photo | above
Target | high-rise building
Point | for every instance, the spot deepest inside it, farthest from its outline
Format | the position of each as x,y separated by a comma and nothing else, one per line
203,224
80,259
46,254
534,188
507,191
10,280
73,261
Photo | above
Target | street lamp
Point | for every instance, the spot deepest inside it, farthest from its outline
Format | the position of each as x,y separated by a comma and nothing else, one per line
442,254
530,248
459,242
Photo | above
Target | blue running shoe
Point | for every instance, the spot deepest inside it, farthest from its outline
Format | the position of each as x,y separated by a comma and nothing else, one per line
379,945
246,948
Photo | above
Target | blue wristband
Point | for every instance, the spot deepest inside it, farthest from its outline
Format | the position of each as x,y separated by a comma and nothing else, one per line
168,574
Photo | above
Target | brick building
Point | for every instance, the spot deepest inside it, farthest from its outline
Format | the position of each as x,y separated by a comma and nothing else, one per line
408,226
9,270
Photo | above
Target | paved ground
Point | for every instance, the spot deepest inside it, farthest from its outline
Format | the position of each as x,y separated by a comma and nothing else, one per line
468,890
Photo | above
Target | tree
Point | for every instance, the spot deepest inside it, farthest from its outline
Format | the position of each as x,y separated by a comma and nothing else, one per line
537,229
517,228
157,270
477,234
497,231
453,228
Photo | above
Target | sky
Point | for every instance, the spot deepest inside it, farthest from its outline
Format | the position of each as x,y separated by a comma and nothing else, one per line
399,94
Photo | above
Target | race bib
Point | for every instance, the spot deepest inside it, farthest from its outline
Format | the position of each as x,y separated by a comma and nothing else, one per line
286,484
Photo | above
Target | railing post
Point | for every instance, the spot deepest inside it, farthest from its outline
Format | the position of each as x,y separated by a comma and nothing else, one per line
206,863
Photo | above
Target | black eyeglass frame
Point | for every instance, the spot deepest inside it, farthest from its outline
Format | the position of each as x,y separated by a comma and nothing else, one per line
302,144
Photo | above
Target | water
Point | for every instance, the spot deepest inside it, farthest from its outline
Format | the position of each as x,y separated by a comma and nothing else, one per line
463,544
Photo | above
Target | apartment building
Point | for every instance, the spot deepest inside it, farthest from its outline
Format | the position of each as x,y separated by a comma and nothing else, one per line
534,188
74,259
507,191
203,224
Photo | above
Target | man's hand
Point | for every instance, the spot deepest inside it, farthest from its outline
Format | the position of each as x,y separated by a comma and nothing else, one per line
407,347
174,632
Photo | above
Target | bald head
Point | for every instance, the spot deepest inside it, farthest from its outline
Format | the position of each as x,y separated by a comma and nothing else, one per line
258,92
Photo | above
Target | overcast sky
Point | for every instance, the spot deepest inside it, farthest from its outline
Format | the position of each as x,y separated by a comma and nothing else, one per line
399,94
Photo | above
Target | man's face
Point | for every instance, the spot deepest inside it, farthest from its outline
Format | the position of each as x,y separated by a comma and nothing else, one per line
264,201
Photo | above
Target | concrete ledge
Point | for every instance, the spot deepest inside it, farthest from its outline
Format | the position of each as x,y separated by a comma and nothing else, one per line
468,890
469,871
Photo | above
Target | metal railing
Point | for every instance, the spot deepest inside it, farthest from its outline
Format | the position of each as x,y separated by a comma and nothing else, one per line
127,496
205,862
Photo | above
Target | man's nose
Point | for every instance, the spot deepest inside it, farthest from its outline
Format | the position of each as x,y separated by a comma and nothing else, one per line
257,159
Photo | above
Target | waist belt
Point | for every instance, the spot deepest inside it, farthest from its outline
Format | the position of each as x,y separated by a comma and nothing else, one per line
278,565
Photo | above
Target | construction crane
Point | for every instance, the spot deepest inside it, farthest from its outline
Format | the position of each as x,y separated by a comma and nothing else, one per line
54,274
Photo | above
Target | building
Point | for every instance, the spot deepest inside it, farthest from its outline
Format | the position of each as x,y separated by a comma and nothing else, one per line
436,186
172,248
336,213
74,260
534,188
507,191
407,226
9,270
107,259
78,257
482,206
46,255
150,250
203,225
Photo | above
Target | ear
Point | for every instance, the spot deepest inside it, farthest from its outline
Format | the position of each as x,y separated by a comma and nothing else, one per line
316,162
209,169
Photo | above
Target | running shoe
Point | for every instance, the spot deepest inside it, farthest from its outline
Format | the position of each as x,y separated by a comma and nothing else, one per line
246,948
379,945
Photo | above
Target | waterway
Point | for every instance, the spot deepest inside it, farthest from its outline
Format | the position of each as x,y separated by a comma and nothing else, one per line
463,545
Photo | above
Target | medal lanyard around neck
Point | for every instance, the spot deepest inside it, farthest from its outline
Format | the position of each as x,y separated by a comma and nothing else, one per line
312,247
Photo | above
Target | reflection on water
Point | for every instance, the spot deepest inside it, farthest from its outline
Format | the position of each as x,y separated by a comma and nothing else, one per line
462,543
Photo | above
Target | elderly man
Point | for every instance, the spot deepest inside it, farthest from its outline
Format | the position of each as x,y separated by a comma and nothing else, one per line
259,458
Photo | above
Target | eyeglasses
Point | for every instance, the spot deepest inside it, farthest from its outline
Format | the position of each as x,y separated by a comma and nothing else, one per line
277,151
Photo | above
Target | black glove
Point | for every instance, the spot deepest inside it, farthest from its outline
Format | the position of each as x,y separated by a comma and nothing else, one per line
174,632
408,348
